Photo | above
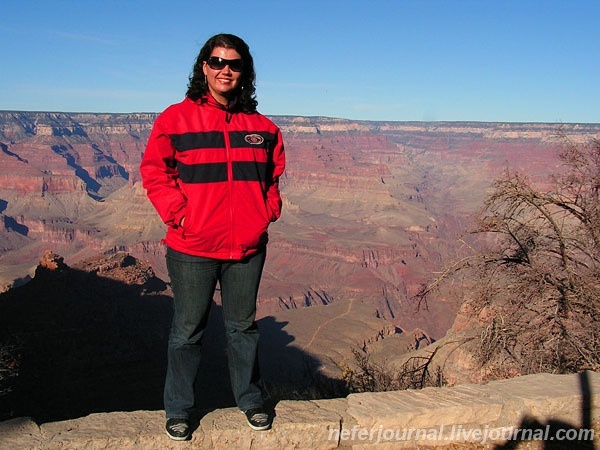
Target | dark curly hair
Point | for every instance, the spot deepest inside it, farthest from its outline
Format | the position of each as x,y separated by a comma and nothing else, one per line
197,87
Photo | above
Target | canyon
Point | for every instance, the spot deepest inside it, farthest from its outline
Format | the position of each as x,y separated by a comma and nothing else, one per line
372,210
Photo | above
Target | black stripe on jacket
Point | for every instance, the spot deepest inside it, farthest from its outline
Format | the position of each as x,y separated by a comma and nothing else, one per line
198,140
202,173
216,139
217,172
248,139
249,171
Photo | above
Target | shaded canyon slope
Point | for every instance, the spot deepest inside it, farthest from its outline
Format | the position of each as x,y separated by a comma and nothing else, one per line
371,209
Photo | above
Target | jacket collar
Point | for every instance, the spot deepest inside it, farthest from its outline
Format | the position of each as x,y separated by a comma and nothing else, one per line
210,100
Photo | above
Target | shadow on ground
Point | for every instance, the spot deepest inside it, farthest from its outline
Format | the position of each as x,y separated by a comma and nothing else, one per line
74,343
555,434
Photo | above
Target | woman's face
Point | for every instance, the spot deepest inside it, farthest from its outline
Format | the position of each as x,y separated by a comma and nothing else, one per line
222,79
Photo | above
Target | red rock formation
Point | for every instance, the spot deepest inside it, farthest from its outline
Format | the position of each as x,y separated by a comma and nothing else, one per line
370,208
52,261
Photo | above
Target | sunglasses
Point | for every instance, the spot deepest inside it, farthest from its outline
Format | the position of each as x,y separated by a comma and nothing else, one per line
216,63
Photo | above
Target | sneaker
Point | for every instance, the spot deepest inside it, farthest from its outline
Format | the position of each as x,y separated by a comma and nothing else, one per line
258,419
178,429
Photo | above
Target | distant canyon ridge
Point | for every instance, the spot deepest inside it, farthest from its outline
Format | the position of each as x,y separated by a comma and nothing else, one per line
371,209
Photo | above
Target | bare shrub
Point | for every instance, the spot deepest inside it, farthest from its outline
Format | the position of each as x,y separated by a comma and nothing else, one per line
538,283
368,376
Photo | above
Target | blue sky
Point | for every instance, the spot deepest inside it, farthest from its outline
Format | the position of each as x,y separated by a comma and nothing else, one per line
433,60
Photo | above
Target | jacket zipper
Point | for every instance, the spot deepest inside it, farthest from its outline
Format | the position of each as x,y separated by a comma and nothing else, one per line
229,179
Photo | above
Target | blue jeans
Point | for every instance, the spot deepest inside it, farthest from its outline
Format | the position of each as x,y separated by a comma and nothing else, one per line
193,280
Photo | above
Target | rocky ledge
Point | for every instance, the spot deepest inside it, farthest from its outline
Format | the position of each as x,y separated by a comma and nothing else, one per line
542,407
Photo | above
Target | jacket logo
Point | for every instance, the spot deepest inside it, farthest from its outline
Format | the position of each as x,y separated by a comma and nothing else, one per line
254,139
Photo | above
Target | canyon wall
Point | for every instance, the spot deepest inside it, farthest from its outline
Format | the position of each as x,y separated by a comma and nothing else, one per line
371,209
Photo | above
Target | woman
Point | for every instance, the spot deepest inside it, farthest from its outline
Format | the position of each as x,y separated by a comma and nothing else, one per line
211,169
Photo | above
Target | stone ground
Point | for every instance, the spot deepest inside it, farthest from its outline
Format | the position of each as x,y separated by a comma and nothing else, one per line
544,403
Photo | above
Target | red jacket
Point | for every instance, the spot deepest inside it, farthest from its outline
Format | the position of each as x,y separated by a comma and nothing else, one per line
220,171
